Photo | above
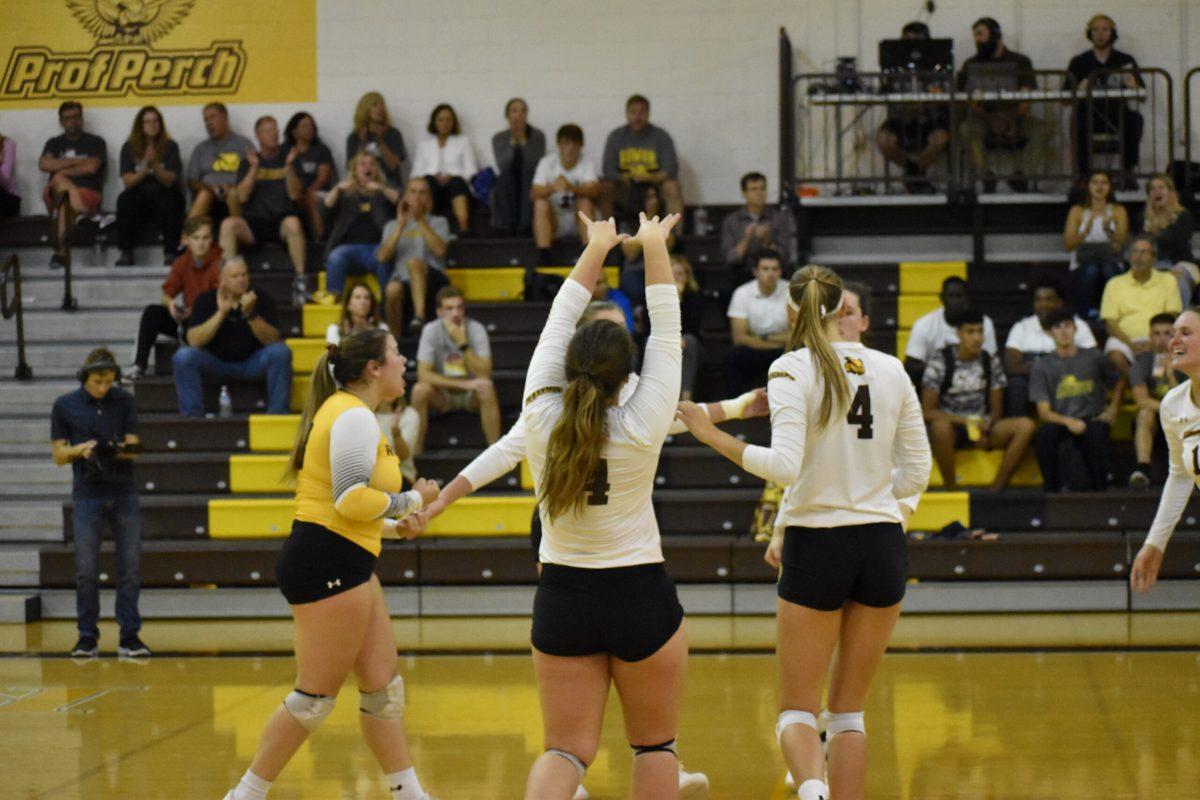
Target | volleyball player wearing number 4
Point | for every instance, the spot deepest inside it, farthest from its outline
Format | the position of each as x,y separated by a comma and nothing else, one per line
847,439
1180,417
348,496
606,611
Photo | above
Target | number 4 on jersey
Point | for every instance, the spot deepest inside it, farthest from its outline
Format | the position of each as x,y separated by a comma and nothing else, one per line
860,413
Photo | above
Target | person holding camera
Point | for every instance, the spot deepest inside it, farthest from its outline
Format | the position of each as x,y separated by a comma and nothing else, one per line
94,430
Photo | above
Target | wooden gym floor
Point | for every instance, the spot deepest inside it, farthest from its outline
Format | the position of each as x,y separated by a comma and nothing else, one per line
1006,706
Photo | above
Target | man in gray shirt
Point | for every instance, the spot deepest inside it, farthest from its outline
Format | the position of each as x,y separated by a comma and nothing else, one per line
754,227
212,169
635,155
415,243
1069,387
454,368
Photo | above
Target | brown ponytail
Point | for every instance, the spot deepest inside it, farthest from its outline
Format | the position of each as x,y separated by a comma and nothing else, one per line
349,358
599,360
814,288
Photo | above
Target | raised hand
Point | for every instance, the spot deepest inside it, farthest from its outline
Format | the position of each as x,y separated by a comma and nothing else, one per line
603,232
655,229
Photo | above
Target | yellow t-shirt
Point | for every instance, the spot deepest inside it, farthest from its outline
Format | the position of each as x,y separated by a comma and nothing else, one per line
358,514
1131,305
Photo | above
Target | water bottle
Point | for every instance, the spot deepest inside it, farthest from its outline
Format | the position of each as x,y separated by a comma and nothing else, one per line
225,404
701,221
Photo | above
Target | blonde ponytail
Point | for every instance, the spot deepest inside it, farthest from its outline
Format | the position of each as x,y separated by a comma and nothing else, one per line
816,293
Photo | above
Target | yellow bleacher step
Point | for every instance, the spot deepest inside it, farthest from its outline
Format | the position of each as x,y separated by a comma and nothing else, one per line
258,518
259,474
316,319
925,277
978,468
305,353
506,283
273,432
939,509
911,307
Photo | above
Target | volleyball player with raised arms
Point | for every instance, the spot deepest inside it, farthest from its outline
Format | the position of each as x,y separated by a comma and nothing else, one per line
847,439
606,610
1180,417
348,495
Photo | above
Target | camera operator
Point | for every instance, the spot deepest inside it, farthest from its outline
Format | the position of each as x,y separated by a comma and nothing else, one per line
93,430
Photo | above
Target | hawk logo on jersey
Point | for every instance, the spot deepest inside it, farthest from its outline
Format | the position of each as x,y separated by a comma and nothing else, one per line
855,366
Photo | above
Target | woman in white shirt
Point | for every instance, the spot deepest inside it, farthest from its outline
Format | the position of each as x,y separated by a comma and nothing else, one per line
606,610
1094,235
360,309
847,440
447,160
1180,417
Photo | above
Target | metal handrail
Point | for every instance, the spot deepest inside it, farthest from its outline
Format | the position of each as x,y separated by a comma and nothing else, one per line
11,271
1187,132
1091,94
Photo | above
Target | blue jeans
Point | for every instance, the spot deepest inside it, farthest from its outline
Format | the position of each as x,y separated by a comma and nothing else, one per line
193,363
125,518
353,259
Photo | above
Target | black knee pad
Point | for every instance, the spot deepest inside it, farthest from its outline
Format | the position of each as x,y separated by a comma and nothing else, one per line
646,749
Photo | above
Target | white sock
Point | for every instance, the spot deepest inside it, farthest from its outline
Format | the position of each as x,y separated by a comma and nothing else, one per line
251,787
404,785
813,789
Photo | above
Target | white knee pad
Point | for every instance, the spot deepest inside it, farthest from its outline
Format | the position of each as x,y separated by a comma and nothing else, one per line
310,710
574,760
387,703
792,717
850,721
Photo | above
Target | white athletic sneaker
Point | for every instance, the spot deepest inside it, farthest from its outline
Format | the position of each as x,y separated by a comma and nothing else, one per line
791,782
692,785
580,793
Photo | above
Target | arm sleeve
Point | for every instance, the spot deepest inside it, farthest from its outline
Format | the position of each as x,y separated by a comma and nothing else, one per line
1039,384
1176,492
918,341
781,462
548,367
129,410
395,142
668,162
193,166
172,160
649,413
477,336
60,426
499,459
333,334
611,167
910,451
470,166
502,151
173,285
989,335
125,159
353,444
729,238
1084,338
422,163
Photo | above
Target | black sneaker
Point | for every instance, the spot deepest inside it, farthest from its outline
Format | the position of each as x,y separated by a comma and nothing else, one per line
415,325
1139,480
86,647
58,260
133,647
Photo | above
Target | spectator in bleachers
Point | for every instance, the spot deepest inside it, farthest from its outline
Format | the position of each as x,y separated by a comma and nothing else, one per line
268,187
360,309
454,368
962,394
1150,378
914,135
517,151
447,160
755,226
1094,235
212,168
603,292
94,429
933,331
565,185
314,167
10,200
638,155
150,166
233,335
373,132
633,273
1172,227
415,245
691,310
1030,339
192,274
998,125
758,325
361,207
1130,301
75,162
1069,387
1108,116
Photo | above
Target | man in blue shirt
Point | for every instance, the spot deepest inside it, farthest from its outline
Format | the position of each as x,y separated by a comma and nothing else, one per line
94,430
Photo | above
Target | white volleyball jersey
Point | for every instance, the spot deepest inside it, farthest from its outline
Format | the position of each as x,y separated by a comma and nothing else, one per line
1181,424
852,471
616,527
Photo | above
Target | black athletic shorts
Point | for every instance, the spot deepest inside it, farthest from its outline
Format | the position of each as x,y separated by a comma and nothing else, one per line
315,563
265,231
825,567
535,532
627,612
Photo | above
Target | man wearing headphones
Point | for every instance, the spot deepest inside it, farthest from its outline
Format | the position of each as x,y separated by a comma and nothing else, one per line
913,137
94,430
1108,116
